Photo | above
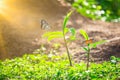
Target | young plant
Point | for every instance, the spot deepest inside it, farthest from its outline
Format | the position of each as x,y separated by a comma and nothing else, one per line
62,34
90,44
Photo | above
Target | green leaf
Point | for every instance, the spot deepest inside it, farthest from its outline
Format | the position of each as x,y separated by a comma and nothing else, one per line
66,30
66,19
94,45
85,48
72,31
118,59
84,34
72,38
113,57
99,7
52,35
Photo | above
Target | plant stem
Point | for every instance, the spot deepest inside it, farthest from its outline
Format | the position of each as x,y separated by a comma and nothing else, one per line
88,58
68,53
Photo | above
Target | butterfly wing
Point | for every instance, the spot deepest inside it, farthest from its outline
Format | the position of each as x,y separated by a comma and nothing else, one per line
89,41
45,25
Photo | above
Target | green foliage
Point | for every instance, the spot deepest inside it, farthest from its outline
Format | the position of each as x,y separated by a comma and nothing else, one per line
111,8
107,10
88,8
115,60
43,67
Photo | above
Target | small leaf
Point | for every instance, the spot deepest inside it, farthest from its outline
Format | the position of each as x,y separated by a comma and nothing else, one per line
72,31
118,59
66,19
99,7
66,30
84,34
52,35
85,48
94,45
72,38
112,57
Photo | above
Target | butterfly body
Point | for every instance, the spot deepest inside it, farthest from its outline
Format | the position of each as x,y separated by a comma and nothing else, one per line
45,25
89,41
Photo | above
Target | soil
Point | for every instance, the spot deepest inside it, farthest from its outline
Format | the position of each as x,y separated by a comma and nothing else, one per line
98,30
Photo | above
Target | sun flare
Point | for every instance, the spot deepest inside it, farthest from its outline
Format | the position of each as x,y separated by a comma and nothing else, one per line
4,8
1,4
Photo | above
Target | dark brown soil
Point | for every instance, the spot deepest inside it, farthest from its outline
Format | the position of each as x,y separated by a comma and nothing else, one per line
98,30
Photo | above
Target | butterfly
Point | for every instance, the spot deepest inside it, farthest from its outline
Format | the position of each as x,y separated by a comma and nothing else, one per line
45,25
89,41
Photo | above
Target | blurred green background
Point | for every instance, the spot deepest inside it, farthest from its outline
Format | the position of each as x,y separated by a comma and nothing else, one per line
106,10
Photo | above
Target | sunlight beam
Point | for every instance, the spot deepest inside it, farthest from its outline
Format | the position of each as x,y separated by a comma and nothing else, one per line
2,6
1,1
